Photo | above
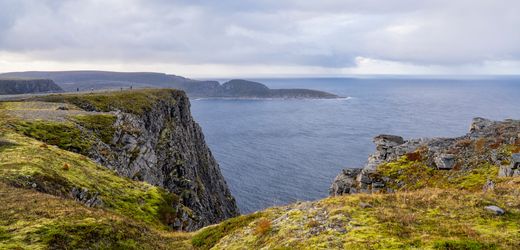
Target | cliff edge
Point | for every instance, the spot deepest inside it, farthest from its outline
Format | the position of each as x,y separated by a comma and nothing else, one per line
27,86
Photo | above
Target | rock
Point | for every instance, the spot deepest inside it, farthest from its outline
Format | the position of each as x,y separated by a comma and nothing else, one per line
25,86
90,199
513,169
479,124
364,205
489,186
345,182
388,140
165,147
496,210
445,161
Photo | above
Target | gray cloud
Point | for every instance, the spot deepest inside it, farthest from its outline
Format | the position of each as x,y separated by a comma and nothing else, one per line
326,33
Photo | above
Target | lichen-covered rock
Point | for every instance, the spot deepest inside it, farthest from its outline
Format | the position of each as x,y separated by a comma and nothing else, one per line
445,161
345,183
513,169
488,143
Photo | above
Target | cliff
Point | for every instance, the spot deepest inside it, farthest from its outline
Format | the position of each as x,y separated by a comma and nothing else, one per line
86,80
490,150
144,135
27,86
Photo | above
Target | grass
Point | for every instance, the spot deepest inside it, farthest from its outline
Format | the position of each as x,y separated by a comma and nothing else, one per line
207,238
101,125
65,135
28,164
429,218
33,220
131,101
408,174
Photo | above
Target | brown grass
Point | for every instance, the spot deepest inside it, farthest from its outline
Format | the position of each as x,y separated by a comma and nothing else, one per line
263,226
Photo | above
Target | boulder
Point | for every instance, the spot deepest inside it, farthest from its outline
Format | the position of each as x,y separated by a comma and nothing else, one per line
496,210
479,124
513,169
345,182
388,141
445,161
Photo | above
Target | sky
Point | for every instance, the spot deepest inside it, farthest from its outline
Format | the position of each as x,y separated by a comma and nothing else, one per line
271,38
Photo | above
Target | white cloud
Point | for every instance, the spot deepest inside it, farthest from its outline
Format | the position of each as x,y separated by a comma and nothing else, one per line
258,37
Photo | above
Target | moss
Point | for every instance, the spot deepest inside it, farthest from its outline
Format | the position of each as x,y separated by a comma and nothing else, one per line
462,245
65,135
405,174
29,163
208,237
39,221
101,125
130,101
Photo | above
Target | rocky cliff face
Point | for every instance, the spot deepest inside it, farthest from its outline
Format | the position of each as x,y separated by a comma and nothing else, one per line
155,139
488,143
26,86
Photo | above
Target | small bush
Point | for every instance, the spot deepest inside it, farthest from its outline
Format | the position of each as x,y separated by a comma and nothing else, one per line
263,226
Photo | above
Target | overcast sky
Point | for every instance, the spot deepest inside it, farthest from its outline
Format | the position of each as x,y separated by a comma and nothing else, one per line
262,38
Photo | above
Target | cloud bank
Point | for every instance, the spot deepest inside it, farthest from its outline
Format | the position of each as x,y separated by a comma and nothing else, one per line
327,37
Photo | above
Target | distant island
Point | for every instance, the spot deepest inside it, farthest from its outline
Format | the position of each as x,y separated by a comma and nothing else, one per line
27,86
71,81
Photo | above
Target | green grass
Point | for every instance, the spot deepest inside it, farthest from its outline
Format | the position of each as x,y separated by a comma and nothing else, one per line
65,135
33,220
130,101
31,163
208,237
101,125
405,174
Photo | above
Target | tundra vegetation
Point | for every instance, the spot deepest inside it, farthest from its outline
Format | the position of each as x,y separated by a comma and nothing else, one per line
54,197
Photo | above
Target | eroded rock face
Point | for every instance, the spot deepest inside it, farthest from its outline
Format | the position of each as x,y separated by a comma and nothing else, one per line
438,154
25,86
445,161
513,169
165,147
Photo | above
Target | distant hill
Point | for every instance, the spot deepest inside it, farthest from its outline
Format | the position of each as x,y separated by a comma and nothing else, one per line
86,80
27,86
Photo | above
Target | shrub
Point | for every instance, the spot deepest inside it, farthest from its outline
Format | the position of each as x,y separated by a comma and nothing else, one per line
263,226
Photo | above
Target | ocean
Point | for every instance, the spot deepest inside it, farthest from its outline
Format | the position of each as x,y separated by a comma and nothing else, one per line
274,152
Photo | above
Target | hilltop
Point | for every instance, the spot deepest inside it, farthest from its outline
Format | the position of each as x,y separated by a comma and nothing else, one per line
98,80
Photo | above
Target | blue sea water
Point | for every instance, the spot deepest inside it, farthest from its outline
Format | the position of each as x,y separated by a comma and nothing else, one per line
274,152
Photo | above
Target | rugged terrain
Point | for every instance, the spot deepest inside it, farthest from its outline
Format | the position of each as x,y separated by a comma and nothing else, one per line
27,86
130,170
87,80
105,149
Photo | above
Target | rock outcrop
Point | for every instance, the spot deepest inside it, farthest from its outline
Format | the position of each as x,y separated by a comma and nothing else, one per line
155,139
487,143
27,86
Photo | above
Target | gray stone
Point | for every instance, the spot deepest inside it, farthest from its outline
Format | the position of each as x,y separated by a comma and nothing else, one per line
496,210
345,182
479,124
388,140
513,169
445,161
364,205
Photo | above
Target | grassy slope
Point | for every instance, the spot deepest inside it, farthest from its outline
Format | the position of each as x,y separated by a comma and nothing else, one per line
133,214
